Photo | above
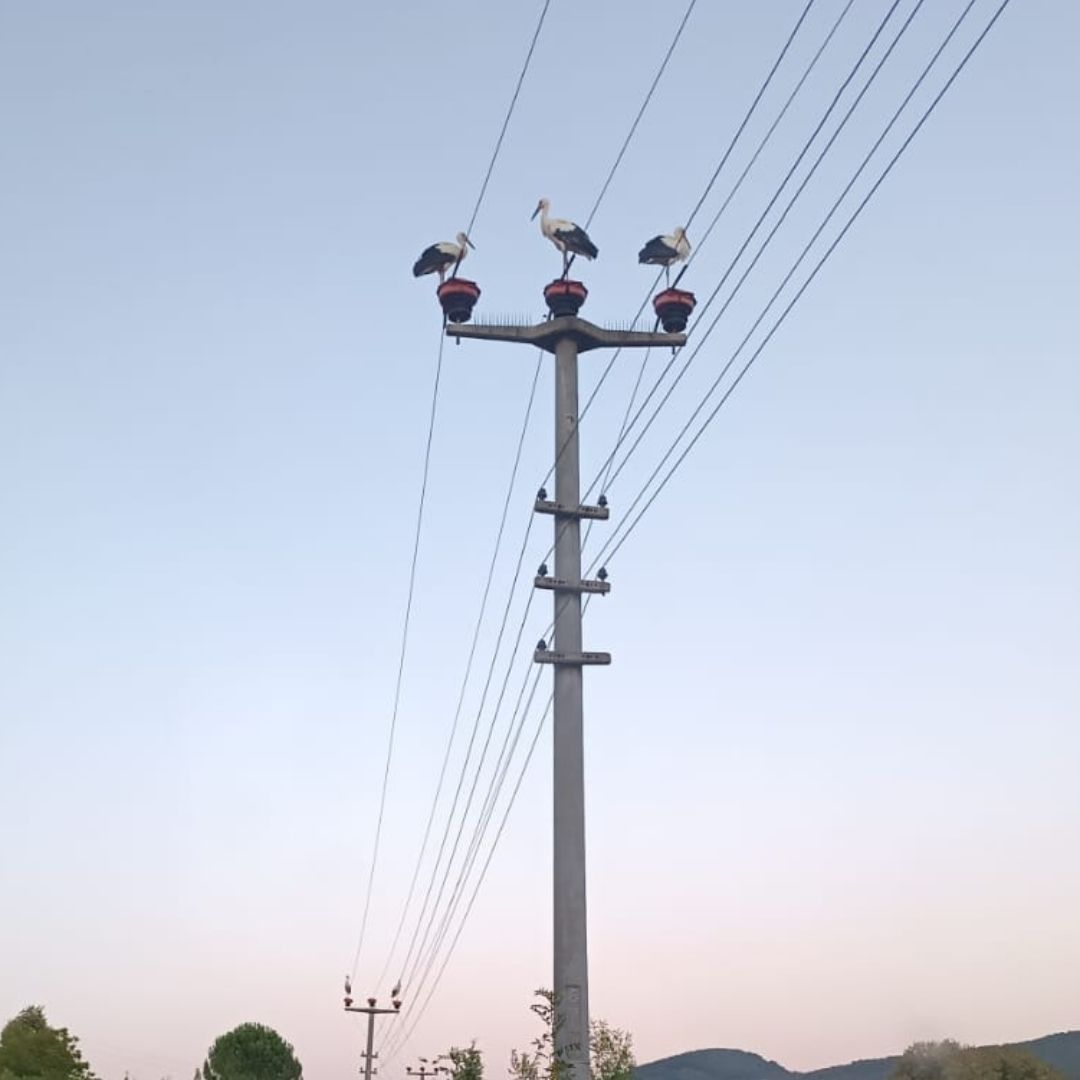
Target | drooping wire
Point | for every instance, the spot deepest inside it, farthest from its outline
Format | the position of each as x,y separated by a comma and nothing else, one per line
509,114
605,469
749,113
766,83
461,778
619,537
761,250
641,112
764,141
606,475
401,656
468,670
605,483
412,575
479,881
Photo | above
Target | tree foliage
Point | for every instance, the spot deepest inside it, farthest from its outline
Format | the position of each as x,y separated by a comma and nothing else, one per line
31,1048
466,1063
611,1050
950,1061
251,1052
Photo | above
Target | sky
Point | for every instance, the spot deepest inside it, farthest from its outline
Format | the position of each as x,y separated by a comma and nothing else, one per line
831,772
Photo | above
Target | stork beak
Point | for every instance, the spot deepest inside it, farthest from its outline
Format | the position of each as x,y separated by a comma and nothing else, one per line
470,243
535,212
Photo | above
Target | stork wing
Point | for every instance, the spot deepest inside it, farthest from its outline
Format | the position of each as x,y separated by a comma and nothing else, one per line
430,260
577,240
657,252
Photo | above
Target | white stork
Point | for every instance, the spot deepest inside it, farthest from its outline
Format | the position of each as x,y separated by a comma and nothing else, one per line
666,251
440,257
565,235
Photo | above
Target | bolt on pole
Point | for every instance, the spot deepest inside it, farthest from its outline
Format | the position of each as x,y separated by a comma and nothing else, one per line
566,336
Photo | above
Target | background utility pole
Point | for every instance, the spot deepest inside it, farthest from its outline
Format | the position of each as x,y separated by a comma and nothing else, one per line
566,336
423,1072
372,1010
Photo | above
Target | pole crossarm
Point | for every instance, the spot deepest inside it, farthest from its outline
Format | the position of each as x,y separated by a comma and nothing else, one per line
551,506
584,334
586,585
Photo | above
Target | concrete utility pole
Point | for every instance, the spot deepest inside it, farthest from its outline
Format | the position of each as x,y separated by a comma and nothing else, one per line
372,1010
566,336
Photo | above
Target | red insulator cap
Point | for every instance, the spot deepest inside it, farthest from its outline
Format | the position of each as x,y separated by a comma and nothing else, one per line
565,297
458,297
673,307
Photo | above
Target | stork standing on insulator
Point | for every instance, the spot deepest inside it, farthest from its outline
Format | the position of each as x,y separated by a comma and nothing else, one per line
569,238
440,257
666,251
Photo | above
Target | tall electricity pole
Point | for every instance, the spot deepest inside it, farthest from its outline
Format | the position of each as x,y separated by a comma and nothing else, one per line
566,336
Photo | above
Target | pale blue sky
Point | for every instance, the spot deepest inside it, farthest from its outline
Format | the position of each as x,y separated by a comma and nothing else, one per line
832,771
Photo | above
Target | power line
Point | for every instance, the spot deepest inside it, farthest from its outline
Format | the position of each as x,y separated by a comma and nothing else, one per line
463,773
750,112
509,113
765,243
765,139
606,471
468,670
423,491
401,657
640,113
704,195
480,879
627,428
611,549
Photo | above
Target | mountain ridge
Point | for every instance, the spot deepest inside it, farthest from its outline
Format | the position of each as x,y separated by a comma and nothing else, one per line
1061,1050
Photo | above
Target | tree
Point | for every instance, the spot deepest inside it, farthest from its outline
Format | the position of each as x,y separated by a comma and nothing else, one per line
466,1063
611,1050
30,1048
251,1052
950,1061
926,1061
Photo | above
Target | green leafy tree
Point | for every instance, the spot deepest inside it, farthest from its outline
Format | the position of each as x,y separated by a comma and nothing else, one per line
611,1050
251,1052
30,1048
950,1061
926,1061
465,1063
541,1063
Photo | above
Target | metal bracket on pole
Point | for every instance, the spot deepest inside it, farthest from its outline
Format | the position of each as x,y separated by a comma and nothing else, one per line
588,585
577,659
549,506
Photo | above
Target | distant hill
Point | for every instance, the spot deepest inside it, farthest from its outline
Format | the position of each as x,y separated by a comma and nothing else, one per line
1062,1051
